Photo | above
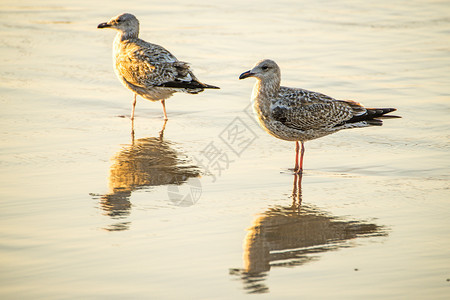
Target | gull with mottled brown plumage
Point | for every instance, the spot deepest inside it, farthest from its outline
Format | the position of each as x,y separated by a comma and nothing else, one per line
148,70
295,114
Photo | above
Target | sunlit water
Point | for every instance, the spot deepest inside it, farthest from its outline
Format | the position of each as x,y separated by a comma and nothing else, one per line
87,211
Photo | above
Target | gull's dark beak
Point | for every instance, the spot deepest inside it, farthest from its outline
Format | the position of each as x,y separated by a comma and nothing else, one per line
103,25
246,74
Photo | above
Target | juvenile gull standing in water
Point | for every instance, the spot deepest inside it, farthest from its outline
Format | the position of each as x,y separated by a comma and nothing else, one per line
299,115
147,69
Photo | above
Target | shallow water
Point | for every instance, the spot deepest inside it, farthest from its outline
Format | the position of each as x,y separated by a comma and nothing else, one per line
88,211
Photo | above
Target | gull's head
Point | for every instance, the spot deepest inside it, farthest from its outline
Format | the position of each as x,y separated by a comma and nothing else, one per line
127,23
265,69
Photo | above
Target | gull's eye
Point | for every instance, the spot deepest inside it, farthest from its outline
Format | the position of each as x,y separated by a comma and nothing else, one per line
265,68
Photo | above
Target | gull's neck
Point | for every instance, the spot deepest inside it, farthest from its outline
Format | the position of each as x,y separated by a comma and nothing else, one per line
267,88
263,93
130,33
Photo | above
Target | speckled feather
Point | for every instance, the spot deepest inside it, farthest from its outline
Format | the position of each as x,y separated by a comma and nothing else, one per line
303,110
148,65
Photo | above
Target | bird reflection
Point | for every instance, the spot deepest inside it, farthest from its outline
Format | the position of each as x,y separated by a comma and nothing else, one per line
293,236
145,163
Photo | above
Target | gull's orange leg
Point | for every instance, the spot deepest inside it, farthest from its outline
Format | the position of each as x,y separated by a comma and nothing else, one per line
302,152
299,168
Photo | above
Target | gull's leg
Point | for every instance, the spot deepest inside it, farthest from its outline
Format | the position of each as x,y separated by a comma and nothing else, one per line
297,147
163,102
134,105
302,152
299,169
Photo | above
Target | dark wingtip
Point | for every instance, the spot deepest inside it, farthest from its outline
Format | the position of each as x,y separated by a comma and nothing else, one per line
383,111
373,116
388,110
378,112
208,86
195,85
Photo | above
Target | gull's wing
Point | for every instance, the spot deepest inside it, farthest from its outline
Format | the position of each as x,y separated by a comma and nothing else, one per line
304,110
147,65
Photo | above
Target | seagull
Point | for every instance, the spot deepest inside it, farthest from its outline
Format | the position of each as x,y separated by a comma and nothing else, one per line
295,114
148,70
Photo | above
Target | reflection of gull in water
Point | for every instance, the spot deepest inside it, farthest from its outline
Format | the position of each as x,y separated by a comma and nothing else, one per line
147,162
293,236
295,114
148,70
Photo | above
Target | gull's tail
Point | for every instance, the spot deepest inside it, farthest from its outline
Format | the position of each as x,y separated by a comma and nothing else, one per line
373,116
191,87
208,86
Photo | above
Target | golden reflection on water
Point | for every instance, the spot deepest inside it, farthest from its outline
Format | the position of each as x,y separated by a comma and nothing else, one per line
290,236
146,162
